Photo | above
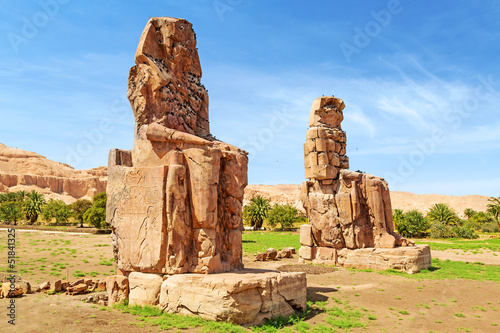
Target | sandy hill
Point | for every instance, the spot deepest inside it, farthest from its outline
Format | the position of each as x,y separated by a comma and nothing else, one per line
290,194
24,170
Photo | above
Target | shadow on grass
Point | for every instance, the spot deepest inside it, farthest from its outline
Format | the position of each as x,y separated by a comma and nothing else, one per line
248,241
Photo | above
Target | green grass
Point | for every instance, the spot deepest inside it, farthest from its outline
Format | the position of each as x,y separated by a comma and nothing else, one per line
344,318
492,244
165,321
258,241
107,262
447,269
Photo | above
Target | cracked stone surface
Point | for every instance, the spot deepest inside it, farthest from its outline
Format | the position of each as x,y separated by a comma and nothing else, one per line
246,298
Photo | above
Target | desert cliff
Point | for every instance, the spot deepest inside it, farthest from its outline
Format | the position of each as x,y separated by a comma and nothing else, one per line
24,170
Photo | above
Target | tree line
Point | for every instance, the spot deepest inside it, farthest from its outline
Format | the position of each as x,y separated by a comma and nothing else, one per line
441,221
260,210
32,207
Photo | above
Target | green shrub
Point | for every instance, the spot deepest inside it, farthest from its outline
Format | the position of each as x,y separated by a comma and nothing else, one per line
442,230
96,215
285,215
411,224
489,227
56,209
11,211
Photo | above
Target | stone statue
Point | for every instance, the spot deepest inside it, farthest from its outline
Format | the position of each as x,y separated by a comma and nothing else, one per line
346,209
174,201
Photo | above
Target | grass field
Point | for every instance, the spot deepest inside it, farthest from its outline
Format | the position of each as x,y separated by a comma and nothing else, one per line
447,269
260,241
491,244
459,296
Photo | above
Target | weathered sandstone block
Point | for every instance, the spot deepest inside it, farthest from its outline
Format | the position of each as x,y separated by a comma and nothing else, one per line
409,259
144,288
246,299
10,290
307,252
271,253
306,235
117,288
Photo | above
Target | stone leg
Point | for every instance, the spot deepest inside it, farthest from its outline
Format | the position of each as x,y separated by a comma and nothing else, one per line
374,192
178,224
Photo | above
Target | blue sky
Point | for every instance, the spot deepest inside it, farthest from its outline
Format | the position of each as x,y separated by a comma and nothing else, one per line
420,80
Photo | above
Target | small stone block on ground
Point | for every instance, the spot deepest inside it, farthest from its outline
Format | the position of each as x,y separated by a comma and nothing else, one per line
325,256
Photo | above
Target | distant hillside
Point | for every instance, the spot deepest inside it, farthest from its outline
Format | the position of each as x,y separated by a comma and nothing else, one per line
24,170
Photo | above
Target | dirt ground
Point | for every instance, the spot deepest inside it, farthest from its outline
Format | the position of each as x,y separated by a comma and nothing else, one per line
398,304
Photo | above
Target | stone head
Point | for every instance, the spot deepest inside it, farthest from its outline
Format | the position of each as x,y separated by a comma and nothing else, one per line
326,111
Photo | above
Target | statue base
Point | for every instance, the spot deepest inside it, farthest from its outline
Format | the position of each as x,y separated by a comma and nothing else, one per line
409,259
247,297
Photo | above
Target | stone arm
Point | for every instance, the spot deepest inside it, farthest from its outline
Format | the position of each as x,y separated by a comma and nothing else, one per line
157,132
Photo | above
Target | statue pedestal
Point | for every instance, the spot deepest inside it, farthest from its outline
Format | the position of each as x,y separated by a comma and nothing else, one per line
409,259
247,297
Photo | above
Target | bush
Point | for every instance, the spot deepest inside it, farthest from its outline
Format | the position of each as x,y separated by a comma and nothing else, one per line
79,208
411,224
285,215
96,215
489,227
442,230
56,209
11,212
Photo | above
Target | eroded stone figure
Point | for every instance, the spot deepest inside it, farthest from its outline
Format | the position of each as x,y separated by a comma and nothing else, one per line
174,201
346,209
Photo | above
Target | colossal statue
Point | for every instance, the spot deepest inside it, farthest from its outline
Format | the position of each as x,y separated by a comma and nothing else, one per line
174,201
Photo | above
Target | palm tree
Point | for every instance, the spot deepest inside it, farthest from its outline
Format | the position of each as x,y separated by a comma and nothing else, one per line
11,196
469,212
442,213
494,209
257,211
33,206
20,195
398,218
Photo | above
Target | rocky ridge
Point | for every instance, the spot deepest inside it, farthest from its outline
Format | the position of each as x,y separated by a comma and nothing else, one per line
24,170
